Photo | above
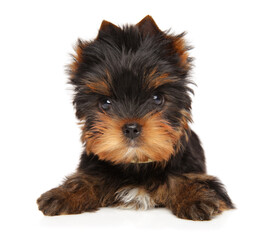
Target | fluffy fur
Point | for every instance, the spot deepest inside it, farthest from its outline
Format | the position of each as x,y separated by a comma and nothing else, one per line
133,101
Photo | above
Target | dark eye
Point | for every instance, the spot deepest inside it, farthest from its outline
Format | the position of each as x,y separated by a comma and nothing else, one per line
105,104
158,99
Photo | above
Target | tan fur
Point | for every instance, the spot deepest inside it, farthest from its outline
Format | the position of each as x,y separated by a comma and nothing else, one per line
180,47
99,86
154,80
156,142
77,57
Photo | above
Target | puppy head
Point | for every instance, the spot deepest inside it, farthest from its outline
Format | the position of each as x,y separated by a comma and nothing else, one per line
131,92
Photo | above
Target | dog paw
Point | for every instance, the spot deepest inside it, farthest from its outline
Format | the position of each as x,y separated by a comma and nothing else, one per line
200,198
200,210
52,202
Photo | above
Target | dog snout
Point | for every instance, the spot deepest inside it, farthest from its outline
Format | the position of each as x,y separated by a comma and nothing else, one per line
132,130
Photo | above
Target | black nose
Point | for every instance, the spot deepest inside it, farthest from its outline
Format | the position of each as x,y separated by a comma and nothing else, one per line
132,130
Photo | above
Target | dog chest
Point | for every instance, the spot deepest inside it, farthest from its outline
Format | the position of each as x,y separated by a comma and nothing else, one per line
134,198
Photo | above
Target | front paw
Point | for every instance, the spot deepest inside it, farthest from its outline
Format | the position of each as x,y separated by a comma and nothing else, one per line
52,202
199,210
200,198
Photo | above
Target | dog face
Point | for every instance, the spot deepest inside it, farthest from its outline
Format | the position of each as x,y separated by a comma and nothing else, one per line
131,92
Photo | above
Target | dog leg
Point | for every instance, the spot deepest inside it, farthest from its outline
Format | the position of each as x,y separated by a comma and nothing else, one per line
76,195
197,197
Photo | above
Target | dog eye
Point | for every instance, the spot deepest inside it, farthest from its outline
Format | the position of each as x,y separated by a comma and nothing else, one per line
105,104
158,99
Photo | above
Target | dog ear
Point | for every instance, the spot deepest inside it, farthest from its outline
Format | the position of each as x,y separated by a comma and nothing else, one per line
107,27
148,26
77,56
180,48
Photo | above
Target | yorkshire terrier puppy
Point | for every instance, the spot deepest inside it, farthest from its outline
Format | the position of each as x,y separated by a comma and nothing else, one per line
133,101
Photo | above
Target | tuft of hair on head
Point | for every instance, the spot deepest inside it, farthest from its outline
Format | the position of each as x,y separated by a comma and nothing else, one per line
147,28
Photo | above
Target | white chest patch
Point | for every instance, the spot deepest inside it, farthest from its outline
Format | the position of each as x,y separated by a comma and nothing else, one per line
134,198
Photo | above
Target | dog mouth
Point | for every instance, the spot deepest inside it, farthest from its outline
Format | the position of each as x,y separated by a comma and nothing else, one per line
130,151
132,144
132,154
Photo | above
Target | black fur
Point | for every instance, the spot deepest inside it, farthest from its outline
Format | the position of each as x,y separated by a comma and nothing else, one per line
129,56
190,160
125,67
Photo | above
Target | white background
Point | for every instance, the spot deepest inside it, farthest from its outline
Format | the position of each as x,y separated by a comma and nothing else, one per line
39,137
